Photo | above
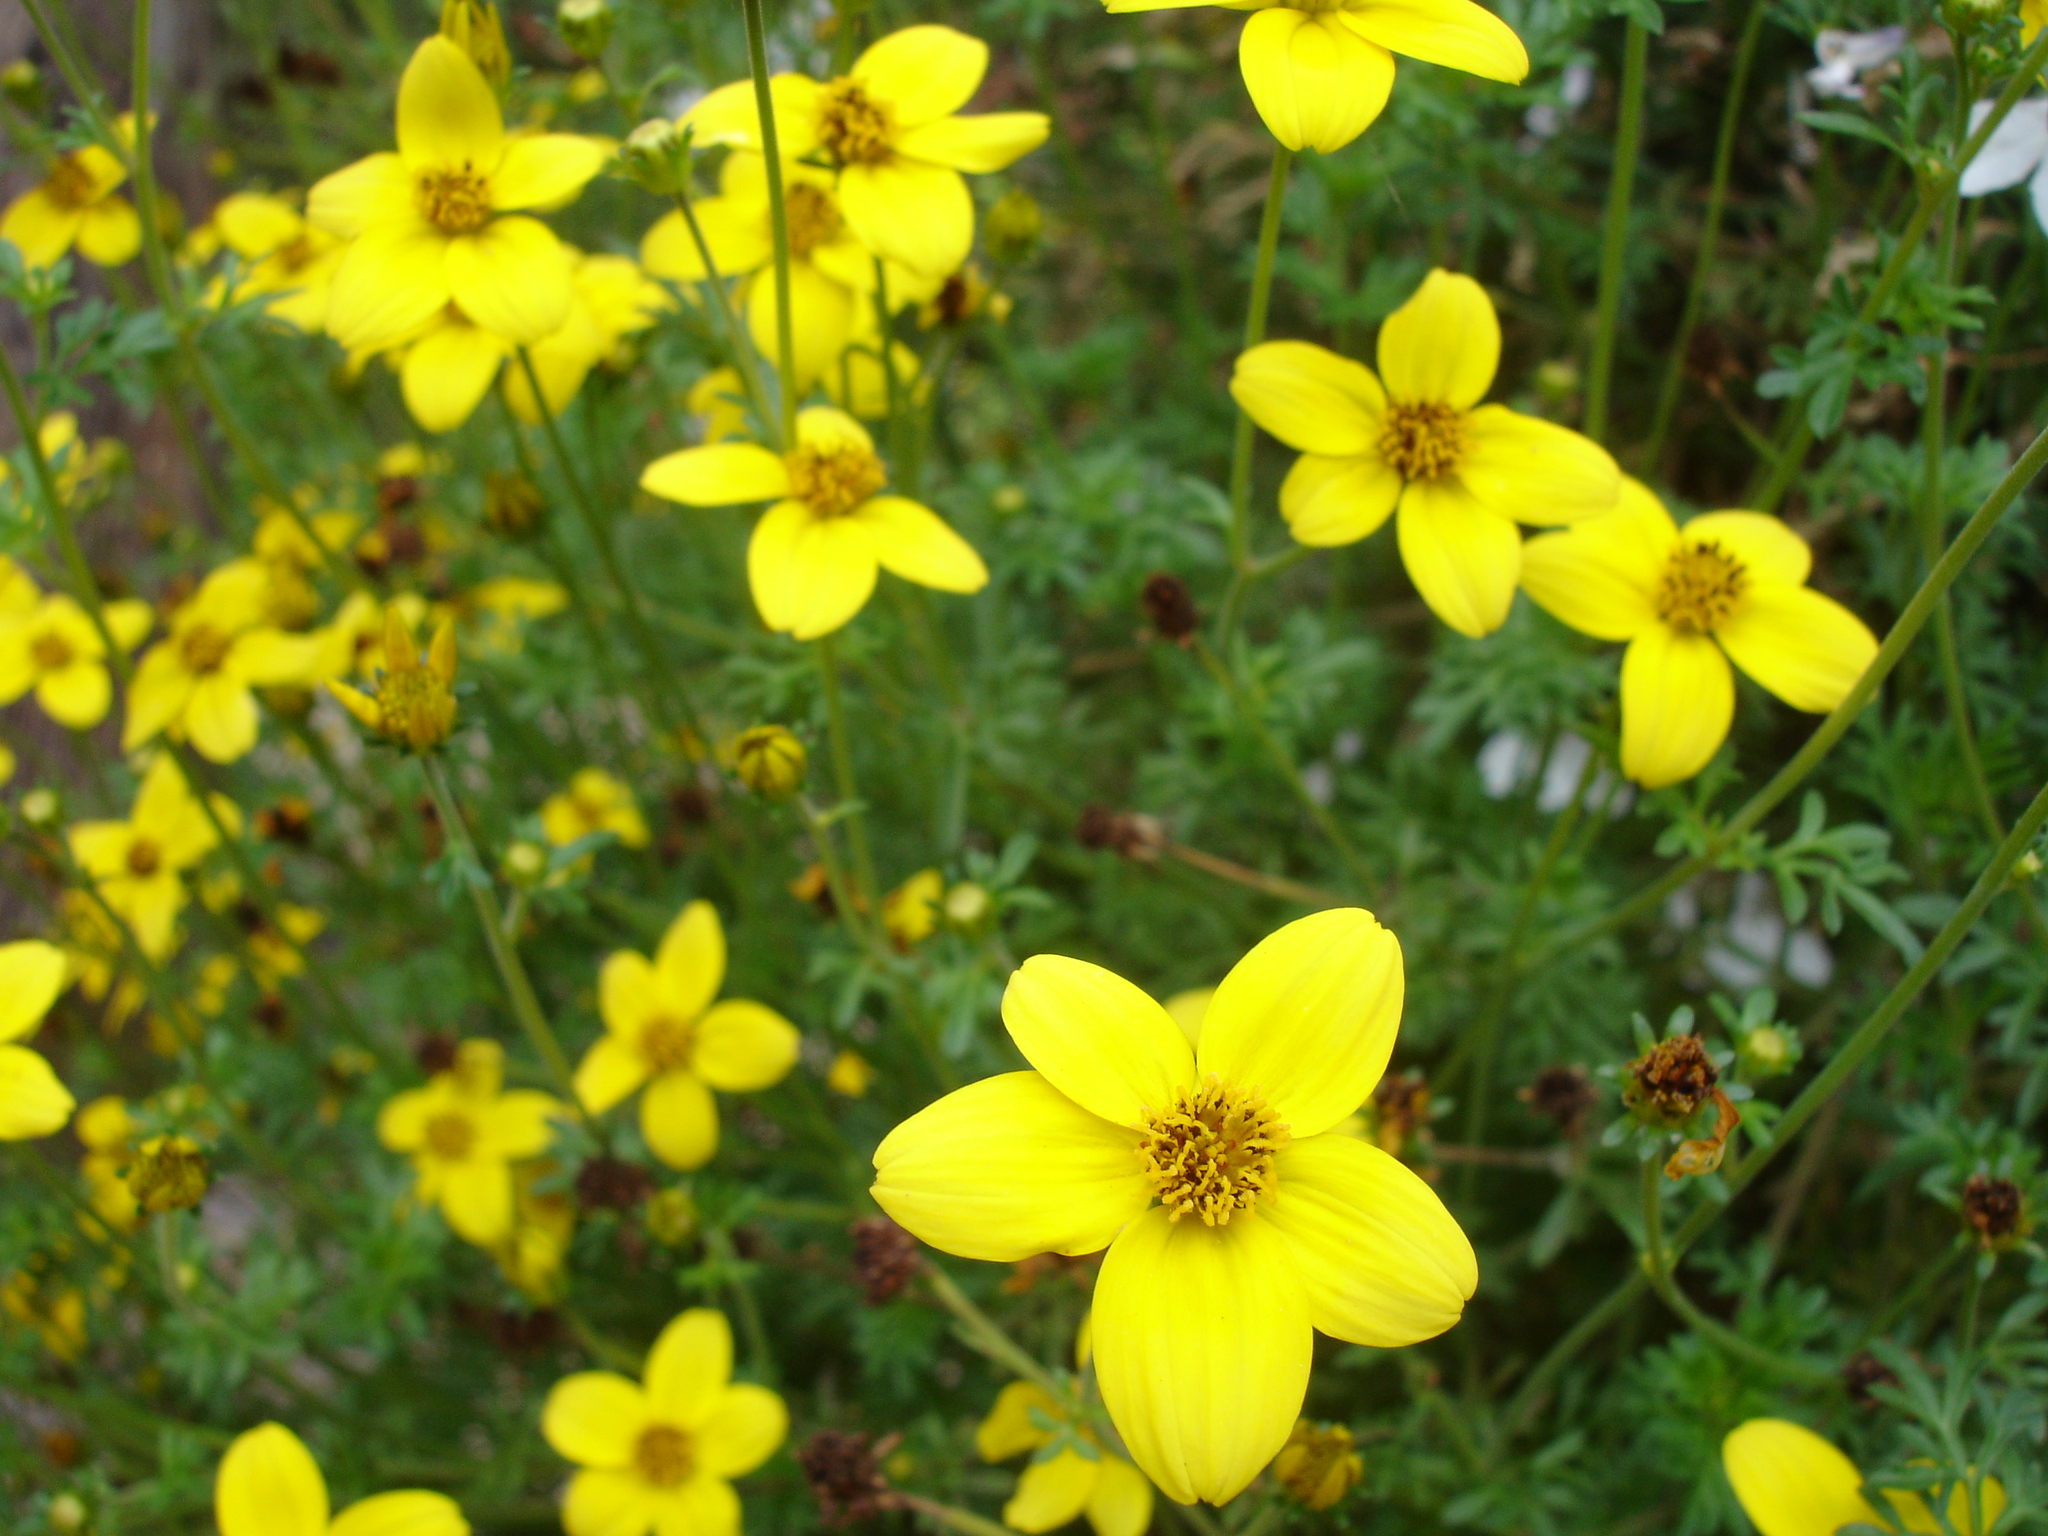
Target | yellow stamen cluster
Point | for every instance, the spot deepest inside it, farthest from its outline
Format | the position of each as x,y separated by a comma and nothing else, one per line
1212,1152
667,1044
852,126
450,1136
70,183
144,858
833,478
1701,587
203,648
168,1174
663,1455
1422,440
414,706
454,199
812,217
50,650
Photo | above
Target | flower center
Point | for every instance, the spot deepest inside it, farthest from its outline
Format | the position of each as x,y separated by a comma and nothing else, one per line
1701,587
50,651
70,183
1422,440
663,1455
831,478
812,217
415,706
144,858
454,199
853,127
450,1135
295,253
204,648
667,1043
1212,1152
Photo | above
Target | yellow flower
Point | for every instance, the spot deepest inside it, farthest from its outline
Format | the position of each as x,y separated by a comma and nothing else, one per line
1462,474
32,1101
2033,14
663,1029
1729,586
1202,1328
196,683
286,262
496,612
76,205
76,466
849,1075
595,801
889,126
137,865
1791,1482
911,912
1320,75
54,649
56,1316
105,1128
269,1485
463,1134
428,223
815,553
414,705
719,401
1317,1465
530,1258
1079,1478
659,1456
768,759
609,301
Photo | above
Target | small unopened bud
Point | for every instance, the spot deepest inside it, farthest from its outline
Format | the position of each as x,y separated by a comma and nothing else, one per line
1767,1050
525,863
1968,16
1317,1466
512,505
414,704
1009,499
66,1513
1667,1084
670,1216
968,905
472,26
2026,869
768,760
22,84
1171,607
657,156
849,1075
585,25
42,810
168,1174
1996,1211
1012,227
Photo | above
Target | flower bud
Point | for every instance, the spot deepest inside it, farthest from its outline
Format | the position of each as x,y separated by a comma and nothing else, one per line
1012,227
657,156
849,1075
1767,1050
22,84
2025,870
1317,1465
42,810
670,1216
768,760
525,863
168,1174
512,505
968,905
472,26
66,1513
585,25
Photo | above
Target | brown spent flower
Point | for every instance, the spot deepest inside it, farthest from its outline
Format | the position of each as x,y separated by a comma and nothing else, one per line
1317,1466
1171,608
1995,1210
1130,833
612,1184
885,1259
843,1471
290,820
435,1053
1667,1084
1563,1094
168,1174
1400,1106
1861,1372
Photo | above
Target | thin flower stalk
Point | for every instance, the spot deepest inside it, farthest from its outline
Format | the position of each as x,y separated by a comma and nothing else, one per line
778,218
742,343
1628,139
1254,333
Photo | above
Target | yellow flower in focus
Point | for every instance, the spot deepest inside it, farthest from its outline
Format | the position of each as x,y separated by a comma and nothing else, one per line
1079,1478
849,1075
463,1133
413,706
32,1102
662,1029
76,205
595,801
436,223
609,301
54,648
889,126
910,913
1729,586
1236,1226
1317,1465
1416,437
197,683
105,1129
137,866
815,553
1791,1482
286,262
658,1455
269,1485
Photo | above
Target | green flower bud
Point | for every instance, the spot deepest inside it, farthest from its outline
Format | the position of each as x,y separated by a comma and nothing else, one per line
1013,227
585,25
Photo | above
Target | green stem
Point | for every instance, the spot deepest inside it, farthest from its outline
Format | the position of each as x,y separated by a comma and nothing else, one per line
855,814
742,342
778,216
1628,138
952,1517
988,1338
1254,333
759,1356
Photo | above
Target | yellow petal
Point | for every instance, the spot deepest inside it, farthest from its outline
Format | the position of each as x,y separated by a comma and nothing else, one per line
38,227
742,1046
446,372
1382,1260
410,1513
679,1120
610,1071
1051,1492
511,277
545,170
476,1200
1443,345
1188,1010
593,1417
402,1122
252,225
609,1502
269,1485
1805,648
76,696
721,475
392,281
1535,471
1790,1482
156,695
984,142
704,1506
1337,501
1008,1430
1463,559
1310,398
909,211
822,318
1316,83
1202,1344
690,964
922,72
516,1124
914,542
220,718
1454,33
1601,577
822,426
1308,1017
110,232
1768,550
31,977
1677,701
1008,1167
32,1102
129,619
375,190
743,1429
1102,1042
1121,1504
688,1367
628,994
809,574
447,111
1917,1518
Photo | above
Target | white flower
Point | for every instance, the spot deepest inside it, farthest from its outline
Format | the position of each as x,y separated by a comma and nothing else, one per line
2017,149
1845,56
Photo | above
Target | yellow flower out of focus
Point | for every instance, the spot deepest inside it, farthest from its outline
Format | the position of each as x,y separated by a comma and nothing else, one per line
76,205
53,647
1728,586
1416,438
1078,1478
76,466
849,1075
269,1485
1791,1482
138,865
437,222
1236,1225
1317,1465
663,1029
659,1454
32,1102
287,263
414,703
889,126
595,801
910,913
815,553
768,759
609,300
1319,74
105,1129
463,1134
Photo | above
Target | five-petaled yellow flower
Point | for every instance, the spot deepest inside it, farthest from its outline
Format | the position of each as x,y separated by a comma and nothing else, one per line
463,1134
1320,73
658,1455
437,222
1728,586
269,1485
889,126
1417,438
32,1101
287,263
52,646
1791,1482
815,553
663,1029
138,865
1236,1224
595,801
76,205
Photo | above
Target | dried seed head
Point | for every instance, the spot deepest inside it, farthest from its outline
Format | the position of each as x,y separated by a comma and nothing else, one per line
842,1469
611,1184
1170,606
1130,833
885,1259
1564,1094
1667,1084
1996,1211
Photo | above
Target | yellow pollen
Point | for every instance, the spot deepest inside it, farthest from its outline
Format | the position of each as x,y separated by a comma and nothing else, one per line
1212,1152
667,1043
853,127
454,199
1701,588
811,215
1422,440
450,1136
663,1455
70,183
204,648
144,858
832,478
50,651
